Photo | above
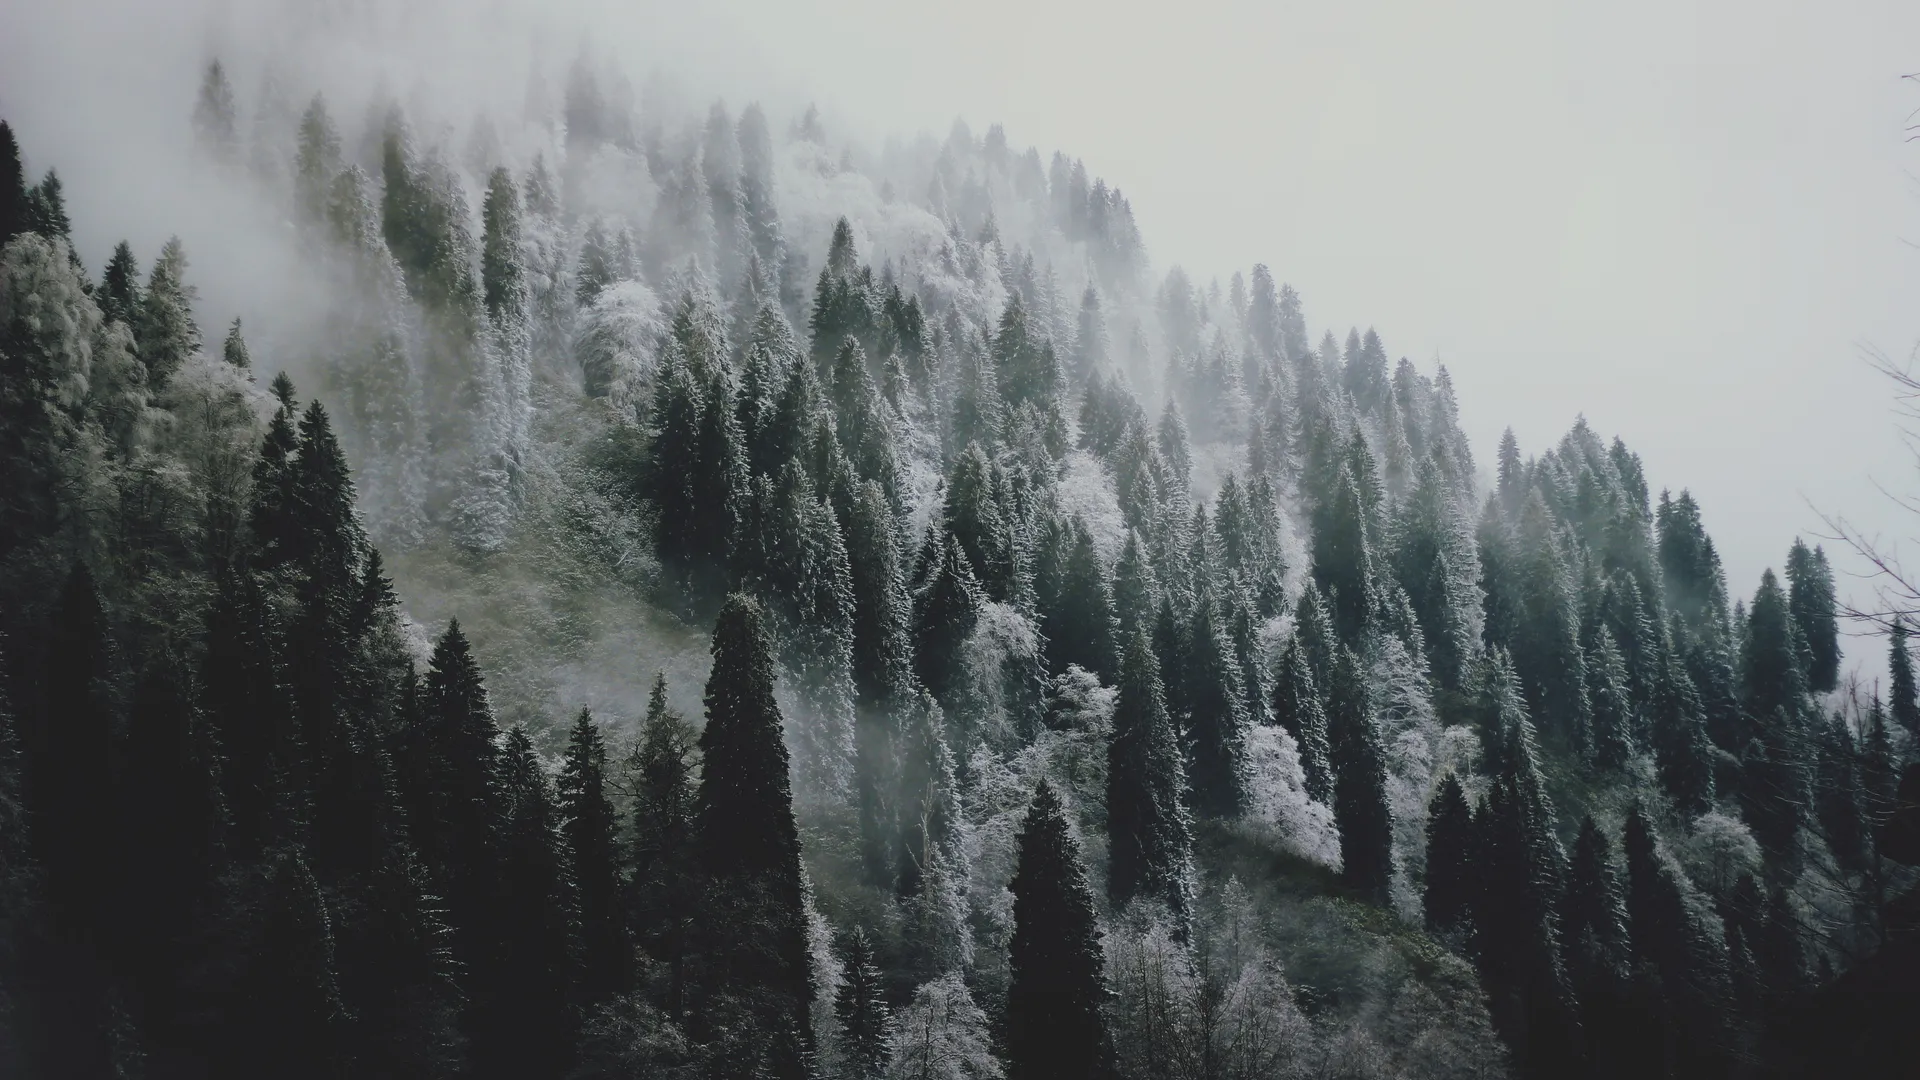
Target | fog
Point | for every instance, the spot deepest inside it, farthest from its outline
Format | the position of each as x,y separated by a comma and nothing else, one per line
1685,221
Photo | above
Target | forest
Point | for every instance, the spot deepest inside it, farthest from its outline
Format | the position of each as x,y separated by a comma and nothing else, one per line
727,601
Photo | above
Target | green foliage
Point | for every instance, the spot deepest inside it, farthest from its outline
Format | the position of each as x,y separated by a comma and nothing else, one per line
1148,832
1054,1025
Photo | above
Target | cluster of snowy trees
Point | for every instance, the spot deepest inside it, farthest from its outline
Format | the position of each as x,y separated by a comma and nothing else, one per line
1035,705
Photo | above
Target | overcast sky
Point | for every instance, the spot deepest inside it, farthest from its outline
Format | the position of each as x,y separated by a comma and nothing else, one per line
1682,219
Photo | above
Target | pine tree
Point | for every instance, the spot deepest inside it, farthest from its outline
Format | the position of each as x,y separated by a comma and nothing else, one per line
882,662
234,349
243,693
664,899
289,1012
1134,589
13,187
591,832
526,1023
215,120
1614,719
164,326
1216,720
1054,1026
1682,753
1774,782
860,1006
1148,834
1297,708
945,612
972,516
449,761
1359,780
1684,969
756,952
119,294
1343,557
1079,625
1811,600
1451,883
1903,697
1599,958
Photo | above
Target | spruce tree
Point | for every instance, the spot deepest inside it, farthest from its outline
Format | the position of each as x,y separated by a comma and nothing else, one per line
1079,625
1903,696
1682,753
525,1004
119,294
664,898
1614,719
1810,598
68,747
1055,1029
860,1006
1148,835
1774,782
1599,957
591,833
944,615
1360,808
289,1015
1216,718
164,326
1451,881
756,946
1297,708
449,761
13,187
1684,968
882,661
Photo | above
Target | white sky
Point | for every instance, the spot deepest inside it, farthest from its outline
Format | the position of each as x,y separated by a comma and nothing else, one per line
1682,219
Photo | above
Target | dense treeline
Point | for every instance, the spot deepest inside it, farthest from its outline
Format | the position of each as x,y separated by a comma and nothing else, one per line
1044,735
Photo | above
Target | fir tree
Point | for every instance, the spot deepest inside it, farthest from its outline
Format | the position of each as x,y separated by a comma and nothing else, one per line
591,833
1599,957
1079,624
1054,1027
1359,780
945,612
1684,967
1148,834
1297,708
1811,600
1614,720
68,745
860,1006
1450,884
289,1010
13,187
119,294
526,1011
1682,753
164,327
234,349
1774,782
749,846
1343,558
1903,697
1216,718
663,856
449,760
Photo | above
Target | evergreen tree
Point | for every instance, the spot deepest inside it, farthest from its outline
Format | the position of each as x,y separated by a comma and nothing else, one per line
1216,718
1682,753
1599,958
527,1027
755,950
591,833
664,899
1054,1025
13,187
234,349
882,661
861,1009
1343,558
504,288
1360,808
164,326
1297,708
289,1014
945,612
1134,589
1148,834
1614,720
119,294
1683,968
1774,782
449,760
1903,697
1811,600
1079,624
972,516
68,747
1451,882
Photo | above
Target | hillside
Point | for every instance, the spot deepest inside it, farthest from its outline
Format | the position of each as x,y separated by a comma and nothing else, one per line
724,600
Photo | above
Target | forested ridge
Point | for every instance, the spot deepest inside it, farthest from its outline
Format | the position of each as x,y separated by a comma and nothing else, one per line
906,635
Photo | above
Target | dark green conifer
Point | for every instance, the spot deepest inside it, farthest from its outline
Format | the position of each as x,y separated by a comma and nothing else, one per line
1148,834
1682,753
1451,880
1055,1029
1903,696
1811,600
944,615
591,833
1216,718
1079,624
67,747
860,1006
119,293
1599,955
502,276
1297,708
756,945
1614,721
664,897
1775,783
13,187
1360,808
526,1004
